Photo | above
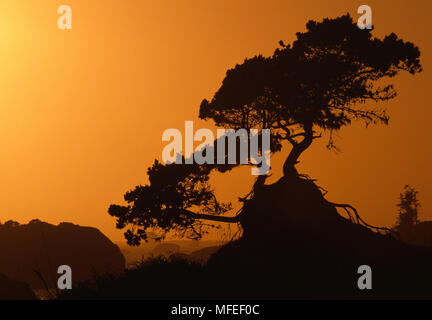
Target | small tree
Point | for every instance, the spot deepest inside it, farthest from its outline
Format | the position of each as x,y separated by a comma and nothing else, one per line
408,212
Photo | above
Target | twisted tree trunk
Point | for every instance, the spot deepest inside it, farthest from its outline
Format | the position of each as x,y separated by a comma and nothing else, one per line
298,148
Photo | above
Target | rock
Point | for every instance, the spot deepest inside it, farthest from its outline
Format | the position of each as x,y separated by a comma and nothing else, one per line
43,247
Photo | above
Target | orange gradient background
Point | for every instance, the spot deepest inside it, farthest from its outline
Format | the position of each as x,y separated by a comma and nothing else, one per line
82,111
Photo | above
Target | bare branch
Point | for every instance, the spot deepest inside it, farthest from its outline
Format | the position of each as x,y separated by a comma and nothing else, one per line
210,217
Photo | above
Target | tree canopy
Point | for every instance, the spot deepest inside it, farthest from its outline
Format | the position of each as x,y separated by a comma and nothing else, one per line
324,81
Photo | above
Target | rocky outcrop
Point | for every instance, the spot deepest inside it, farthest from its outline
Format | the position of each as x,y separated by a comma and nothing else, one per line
39,247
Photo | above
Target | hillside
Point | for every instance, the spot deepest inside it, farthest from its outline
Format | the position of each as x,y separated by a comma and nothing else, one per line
43,247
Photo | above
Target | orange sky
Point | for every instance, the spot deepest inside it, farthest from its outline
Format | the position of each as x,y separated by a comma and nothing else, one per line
82,111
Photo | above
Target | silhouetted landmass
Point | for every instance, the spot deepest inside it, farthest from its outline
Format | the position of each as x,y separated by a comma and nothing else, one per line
310,251
15,290
154,278
147,250
165,249
200,256
205,253
305,249
43,247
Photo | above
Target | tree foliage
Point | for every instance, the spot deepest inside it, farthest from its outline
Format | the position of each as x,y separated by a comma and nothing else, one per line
408,211
324,81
